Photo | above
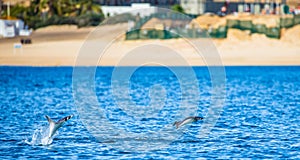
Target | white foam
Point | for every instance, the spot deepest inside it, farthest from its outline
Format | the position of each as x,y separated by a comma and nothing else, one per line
40,137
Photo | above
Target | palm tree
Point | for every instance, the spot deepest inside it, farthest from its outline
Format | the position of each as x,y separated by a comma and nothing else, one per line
0,8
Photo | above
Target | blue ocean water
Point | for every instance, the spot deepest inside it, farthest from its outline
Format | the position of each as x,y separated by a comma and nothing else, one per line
260,118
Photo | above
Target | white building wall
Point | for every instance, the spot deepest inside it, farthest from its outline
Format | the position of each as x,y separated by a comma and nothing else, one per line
2,27
143,9
10,28
194,7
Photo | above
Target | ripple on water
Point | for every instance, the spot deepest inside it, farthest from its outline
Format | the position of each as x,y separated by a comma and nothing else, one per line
260,118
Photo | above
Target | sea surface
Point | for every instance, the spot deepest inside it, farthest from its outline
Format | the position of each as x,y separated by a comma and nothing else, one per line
260,117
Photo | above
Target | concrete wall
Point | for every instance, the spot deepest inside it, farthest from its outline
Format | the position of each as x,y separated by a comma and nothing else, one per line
143,9
193,7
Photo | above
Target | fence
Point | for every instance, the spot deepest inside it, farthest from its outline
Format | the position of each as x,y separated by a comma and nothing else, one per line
220,32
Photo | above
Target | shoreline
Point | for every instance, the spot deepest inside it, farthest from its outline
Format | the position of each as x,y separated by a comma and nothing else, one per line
60,45
25,66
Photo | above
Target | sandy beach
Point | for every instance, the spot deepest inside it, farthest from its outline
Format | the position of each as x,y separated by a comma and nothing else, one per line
60,46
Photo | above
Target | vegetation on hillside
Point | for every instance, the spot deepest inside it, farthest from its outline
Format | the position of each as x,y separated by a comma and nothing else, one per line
42,13
177,8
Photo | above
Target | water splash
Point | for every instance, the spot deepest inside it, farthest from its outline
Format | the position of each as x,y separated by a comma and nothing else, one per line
40,137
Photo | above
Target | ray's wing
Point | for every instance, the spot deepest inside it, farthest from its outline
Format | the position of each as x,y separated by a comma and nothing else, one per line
64,119
199,118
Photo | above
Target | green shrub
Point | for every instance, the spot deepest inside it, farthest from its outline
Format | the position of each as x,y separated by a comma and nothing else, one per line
286,22
177,8
259,28
273,32
89,20
233,23
246,25
121,18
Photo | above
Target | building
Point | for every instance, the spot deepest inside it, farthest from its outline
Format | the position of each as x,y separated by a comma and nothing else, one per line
156,3
293,3
193,7
10,27
196,7
141,9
